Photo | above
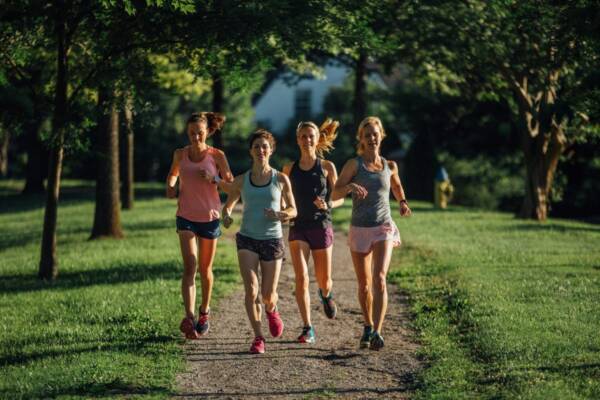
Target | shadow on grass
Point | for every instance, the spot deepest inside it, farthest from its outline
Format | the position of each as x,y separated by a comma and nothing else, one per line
135,346
17,283
556,227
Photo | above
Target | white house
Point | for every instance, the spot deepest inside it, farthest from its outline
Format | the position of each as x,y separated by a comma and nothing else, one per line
280,101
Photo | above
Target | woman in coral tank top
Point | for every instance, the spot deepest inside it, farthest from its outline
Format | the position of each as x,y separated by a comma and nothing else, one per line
200,170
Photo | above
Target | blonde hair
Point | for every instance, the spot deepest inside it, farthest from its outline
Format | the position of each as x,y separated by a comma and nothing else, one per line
375,121
327,134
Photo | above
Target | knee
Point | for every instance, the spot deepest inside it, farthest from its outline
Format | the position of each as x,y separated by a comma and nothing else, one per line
379,283
302,283
364,289
189,263
252,293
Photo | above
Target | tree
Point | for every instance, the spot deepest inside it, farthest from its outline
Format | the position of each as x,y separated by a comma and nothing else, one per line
532,53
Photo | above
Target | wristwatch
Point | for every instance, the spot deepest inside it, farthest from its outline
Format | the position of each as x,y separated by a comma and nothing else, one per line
216,179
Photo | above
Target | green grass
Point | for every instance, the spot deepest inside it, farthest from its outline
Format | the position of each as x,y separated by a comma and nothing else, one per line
504,308
109,325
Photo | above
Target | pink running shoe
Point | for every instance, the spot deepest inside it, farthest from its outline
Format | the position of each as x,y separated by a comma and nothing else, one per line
258,345
275,323
203,324
188,328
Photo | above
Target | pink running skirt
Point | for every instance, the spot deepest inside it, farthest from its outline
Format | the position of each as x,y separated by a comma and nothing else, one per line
361,239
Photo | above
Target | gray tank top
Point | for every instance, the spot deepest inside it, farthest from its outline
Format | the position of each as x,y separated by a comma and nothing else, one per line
373,210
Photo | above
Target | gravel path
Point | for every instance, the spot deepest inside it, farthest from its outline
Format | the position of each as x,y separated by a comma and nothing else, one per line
219,365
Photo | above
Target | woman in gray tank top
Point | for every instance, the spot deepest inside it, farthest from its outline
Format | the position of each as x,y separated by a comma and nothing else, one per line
372,233
260,240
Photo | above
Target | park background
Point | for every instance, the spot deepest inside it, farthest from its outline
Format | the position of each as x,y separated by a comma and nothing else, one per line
504,94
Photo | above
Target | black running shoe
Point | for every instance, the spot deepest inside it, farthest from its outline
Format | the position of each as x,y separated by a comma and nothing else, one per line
329,306
376,342
365,339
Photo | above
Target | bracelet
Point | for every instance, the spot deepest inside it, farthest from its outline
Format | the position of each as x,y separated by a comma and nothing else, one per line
216,179
403,201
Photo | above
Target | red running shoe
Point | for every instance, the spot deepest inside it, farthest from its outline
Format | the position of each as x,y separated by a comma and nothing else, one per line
188,328
203,324
258,345
275,323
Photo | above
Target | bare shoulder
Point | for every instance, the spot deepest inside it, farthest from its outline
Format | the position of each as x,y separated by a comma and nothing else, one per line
287,168
178,153
351,165
328,165
217,153
283,178
392,166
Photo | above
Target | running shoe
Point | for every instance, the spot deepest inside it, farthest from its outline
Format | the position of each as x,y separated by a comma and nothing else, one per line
329,306
258,345
203,325
365,339
376,341
187,327
275,323
307,335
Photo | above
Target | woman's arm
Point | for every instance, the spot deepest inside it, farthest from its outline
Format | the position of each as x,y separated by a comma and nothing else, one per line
332,178
343,185
232,198
173,175
398,190
287,201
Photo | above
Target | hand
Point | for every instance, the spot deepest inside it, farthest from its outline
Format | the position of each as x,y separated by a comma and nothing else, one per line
359,191
276,215
227,220
171,192
206,176
320,203
405,209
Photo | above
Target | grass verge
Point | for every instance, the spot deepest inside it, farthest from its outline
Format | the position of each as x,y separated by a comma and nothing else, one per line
109,325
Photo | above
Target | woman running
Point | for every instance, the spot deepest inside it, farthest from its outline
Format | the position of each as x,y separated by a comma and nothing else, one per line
260,239
372,233
198,167
312,179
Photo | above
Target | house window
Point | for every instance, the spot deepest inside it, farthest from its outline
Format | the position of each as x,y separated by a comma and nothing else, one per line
303,103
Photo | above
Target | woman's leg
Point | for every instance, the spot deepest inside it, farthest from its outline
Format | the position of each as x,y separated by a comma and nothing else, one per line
382,255
189,251
300,252
206,256
248,261
270,278
362,267
322,259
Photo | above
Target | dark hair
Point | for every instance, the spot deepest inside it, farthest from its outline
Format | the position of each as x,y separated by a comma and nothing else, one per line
214,121
262,133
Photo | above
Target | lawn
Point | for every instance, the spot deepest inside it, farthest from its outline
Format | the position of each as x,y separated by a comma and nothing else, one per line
504,308
109,324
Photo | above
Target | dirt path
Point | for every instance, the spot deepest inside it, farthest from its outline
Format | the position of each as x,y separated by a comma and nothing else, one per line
220,366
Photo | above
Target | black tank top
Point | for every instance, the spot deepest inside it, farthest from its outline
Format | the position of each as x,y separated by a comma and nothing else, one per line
306,187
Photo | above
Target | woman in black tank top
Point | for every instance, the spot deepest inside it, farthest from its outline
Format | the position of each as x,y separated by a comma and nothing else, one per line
312,179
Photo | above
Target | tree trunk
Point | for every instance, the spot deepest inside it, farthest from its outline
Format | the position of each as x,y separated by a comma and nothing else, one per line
542,153
37,159
217,106
127,194
49,262
107,216
4,141
360,89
